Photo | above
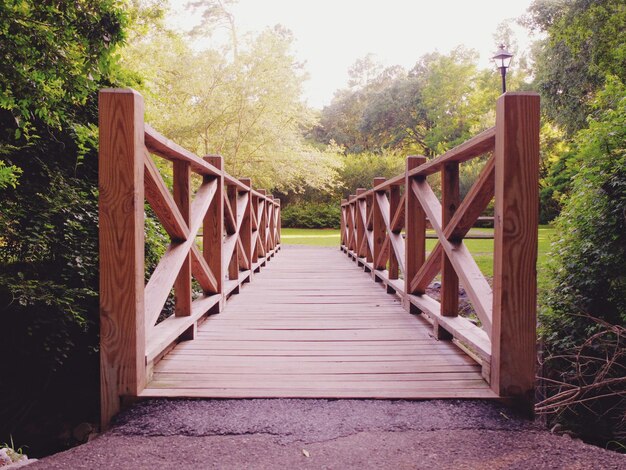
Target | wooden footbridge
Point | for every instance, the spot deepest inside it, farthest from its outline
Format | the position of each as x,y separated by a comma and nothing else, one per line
307,322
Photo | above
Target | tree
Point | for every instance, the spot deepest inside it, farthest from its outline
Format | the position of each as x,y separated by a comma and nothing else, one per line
585,42
56,56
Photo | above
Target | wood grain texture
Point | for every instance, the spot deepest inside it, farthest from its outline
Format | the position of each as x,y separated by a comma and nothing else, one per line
121,232
182,197
314,326
213,226
515,251
414,226
449,203
476,286
162,279
162,203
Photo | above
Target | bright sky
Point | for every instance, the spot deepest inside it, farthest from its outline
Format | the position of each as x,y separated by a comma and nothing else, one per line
332,34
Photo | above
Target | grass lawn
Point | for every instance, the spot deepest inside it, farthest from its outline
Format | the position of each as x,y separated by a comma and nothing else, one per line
481,249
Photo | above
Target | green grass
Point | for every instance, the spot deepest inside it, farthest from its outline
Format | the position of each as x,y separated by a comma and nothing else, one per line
310,236
481,249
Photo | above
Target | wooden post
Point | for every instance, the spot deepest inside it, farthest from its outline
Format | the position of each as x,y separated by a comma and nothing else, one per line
121,231
352,224
233,263
379,229
394,203
278,223
360,249
515,250
245,232
449,279
369,226
415,230
182,285
344,215
254,206
263,221
213,228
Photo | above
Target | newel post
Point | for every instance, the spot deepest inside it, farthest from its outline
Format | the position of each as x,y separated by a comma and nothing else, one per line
515,248
121,232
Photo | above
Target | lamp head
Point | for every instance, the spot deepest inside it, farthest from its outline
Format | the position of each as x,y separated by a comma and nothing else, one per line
502,57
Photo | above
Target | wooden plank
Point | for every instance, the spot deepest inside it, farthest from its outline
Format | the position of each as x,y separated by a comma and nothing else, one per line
313,318
202,272
474,147
162,146
515,252
121,250
162,202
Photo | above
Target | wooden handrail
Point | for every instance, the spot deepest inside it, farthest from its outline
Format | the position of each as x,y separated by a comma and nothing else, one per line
240,234
371,222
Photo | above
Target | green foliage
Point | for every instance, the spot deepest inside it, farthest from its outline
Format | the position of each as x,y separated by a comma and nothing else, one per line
441,102
585,43
359,170
56,58
311,215
53,55
587,273
9,175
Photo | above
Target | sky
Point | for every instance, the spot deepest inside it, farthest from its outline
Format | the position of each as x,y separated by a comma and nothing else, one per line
332,34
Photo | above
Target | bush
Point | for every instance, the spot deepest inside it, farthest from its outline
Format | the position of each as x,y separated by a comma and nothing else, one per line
588,279
311,215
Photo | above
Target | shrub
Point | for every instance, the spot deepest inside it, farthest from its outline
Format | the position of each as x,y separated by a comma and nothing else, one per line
588,279
311,215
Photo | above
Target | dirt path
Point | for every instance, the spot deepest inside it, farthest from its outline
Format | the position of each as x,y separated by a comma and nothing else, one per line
337,434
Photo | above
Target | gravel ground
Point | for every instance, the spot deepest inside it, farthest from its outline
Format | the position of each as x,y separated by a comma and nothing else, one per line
333,434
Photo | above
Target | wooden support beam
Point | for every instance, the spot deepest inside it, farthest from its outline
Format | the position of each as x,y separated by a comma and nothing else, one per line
245,231
162,203
379,228
394,205
360,224
233,259
213,227
121,232
449,204
515,249
182,284
415,229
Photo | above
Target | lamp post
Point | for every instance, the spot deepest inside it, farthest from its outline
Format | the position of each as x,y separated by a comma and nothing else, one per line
502,60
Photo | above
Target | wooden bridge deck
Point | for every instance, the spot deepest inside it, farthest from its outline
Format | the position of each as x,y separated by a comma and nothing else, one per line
314,325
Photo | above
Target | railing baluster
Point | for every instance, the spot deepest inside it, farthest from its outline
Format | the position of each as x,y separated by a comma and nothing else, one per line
379,229
415,230
449,278
182,285
394,202
213,228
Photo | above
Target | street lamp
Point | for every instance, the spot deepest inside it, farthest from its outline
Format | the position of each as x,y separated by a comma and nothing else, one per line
503,60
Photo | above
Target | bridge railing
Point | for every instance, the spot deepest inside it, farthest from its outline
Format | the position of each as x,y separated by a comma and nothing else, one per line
384,230
221,231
